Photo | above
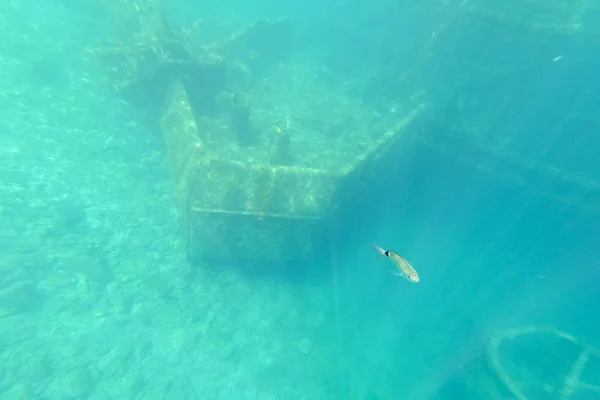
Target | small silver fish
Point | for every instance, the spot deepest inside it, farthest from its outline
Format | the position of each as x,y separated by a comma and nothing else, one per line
405,270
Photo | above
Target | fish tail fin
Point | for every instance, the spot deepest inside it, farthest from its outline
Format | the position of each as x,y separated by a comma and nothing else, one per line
380,252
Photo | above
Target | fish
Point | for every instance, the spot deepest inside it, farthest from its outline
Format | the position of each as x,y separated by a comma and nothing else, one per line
405,270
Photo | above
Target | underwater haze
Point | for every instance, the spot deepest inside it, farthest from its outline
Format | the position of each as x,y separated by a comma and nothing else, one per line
190,193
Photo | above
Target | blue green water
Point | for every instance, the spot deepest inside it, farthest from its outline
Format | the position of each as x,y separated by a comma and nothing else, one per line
98,299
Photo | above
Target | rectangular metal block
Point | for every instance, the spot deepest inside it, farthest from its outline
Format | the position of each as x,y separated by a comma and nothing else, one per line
256,211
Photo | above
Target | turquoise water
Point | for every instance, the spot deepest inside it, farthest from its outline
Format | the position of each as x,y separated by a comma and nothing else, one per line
492,196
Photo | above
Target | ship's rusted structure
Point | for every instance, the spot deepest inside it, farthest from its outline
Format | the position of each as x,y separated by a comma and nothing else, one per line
267,208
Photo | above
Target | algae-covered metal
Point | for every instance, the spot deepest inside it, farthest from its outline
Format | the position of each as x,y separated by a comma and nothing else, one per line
251,181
